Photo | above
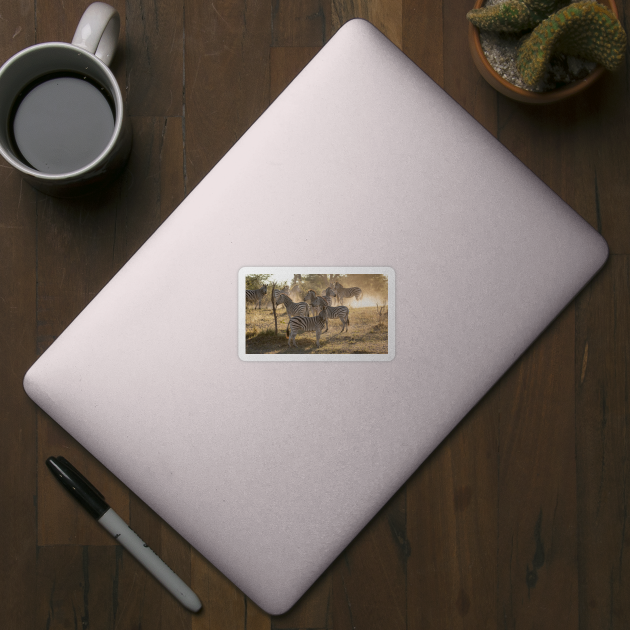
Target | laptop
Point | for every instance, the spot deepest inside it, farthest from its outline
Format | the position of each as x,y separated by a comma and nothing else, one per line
269,458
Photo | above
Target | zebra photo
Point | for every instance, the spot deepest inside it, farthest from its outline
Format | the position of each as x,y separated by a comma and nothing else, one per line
338,312
315,313
301,324
277,291
255,296
293,308
353,292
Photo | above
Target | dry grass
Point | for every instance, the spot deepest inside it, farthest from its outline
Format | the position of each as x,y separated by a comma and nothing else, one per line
367,334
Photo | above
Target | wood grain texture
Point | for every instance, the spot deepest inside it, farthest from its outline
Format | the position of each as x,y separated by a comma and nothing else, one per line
76,587
452,516
226,78
60,520
151,605
609,134
285,64
574,150
300,23
224,606
151,187
519,519
18,416
422,36
386,15
602,380
537,510
369,577
18,426
461,79
154,59
313,610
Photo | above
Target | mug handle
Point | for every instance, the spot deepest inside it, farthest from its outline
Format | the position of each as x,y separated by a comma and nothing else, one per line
98,30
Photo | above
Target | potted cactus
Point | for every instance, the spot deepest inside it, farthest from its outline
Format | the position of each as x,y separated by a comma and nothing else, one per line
558,49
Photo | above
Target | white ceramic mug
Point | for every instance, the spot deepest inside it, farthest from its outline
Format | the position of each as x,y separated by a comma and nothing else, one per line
86,58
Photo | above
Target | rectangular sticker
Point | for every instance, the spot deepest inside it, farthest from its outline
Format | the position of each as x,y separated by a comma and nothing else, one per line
316,313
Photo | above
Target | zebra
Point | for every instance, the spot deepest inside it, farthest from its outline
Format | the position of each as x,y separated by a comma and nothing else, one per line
338,312
277,292
330,293
301,324
317,302
255,295
351,292
293,308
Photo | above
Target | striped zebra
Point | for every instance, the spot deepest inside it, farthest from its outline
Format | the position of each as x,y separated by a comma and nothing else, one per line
330,293
255,295
277,292
293,308
301,324
338,312
317,302
351,292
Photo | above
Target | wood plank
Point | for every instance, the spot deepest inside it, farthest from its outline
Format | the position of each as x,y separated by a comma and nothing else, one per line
226,78
369,577
452,526
300,23
386,15
224,606
18,422
558,147
255,617
422,36
575,147
285,64
313,610
142,600
152,184
537,537
18,416
76,587
603,468
608,127
171,159
154,57
61,520
17,28
461,78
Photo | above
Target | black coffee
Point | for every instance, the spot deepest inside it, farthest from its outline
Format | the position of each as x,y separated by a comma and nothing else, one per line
61,123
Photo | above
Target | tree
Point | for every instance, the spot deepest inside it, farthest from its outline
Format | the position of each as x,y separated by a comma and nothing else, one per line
273,304
256,280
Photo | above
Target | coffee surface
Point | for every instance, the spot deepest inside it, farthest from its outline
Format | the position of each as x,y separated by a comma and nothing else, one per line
62,124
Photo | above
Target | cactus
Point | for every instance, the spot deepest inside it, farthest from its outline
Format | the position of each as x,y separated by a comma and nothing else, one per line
584,29
513,16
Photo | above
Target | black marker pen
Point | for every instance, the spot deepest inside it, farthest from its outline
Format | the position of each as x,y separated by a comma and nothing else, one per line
94,502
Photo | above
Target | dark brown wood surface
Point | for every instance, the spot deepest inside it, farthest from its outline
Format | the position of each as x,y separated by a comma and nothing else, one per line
518,520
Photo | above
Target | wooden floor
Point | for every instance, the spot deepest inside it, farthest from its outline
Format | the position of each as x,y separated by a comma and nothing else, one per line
518,520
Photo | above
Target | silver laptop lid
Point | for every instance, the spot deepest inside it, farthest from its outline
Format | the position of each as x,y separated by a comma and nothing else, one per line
271,468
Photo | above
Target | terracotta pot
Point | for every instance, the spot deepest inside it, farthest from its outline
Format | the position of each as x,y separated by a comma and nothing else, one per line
518,94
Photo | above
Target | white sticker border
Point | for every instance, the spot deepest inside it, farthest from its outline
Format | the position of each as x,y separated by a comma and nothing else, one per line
391,301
